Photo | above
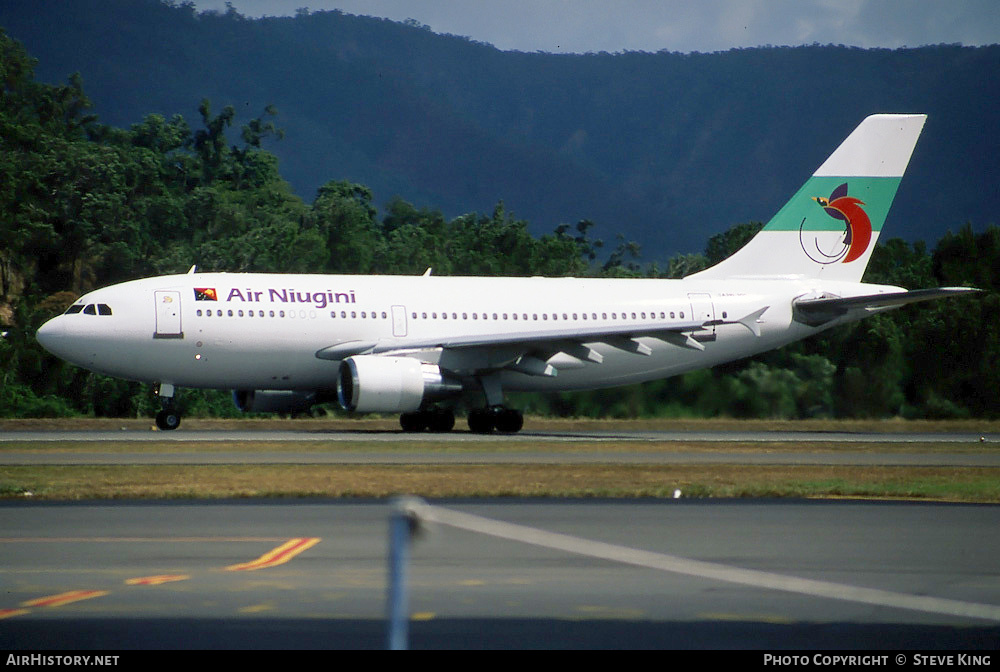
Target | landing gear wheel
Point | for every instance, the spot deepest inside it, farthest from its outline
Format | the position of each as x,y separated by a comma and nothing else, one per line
413,422
440,420
168,419
481,421
434,419
509,421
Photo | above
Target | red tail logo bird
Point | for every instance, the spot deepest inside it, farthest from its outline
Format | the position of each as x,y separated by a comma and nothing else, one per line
848,209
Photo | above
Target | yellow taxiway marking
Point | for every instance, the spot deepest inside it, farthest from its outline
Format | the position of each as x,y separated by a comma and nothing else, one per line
752,618
277,556
156,580
64,598
7,613
423,616
256,608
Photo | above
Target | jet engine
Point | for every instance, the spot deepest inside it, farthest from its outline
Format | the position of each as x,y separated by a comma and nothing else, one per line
273,401
375,384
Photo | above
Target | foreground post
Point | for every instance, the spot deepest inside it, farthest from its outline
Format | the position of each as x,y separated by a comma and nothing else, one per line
401,527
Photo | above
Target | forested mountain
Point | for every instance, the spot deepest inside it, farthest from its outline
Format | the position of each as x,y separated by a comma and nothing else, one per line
97,193
665,149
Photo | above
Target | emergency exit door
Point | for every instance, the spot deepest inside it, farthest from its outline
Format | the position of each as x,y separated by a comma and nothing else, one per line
703,310
399,321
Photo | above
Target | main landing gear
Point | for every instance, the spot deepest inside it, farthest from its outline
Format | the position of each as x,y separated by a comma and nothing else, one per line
433,419
499,418
496,416
481,420
168,418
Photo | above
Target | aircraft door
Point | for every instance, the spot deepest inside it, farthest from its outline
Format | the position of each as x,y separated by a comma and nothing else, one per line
703,310
399,321
168,314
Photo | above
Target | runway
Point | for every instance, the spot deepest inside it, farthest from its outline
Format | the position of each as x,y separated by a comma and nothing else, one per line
220,446
181,436
70,571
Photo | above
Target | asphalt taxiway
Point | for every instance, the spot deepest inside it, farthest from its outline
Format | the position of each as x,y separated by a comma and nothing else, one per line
187,575
117,576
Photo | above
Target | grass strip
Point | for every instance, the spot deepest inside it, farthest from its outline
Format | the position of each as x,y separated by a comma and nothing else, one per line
962,484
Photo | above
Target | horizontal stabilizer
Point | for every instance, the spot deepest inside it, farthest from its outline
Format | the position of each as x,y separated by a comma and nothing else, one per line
815,312
752,321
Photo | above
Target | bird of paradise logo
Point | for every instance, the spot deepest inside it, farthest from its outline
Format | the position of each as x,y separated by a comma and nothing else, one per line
857,228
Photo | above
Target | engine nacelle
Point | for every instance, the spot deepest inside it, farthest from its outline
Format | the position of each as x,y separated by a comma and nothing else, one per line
375,384
273,401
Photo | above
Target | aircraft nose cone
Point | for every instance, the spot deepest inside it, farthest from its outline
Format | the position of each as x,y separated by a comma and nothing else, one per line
52,336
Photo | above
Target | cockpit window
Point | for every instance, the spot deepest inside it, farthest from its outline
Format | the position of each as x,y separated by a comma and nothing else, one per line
89,310
74,309
103,309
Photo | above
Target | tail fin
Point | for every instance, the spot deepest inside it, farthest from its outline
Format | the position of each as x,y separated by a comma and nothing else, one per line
829,228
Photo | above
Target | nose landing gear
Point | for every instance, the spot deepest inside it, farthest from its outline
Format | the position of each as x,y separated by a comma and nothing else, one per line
168,418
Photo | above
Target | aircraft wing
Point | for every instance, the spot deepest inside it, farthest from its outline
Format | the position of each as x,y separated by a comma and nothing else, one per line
817,311
569,340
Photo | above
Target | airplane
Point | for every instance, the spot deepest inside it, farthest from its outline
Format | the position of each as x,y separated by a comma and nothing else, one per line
416,345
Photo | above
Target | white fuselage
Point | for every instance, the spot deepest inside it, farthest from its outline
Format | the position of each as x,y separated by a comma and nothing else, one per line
262,331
